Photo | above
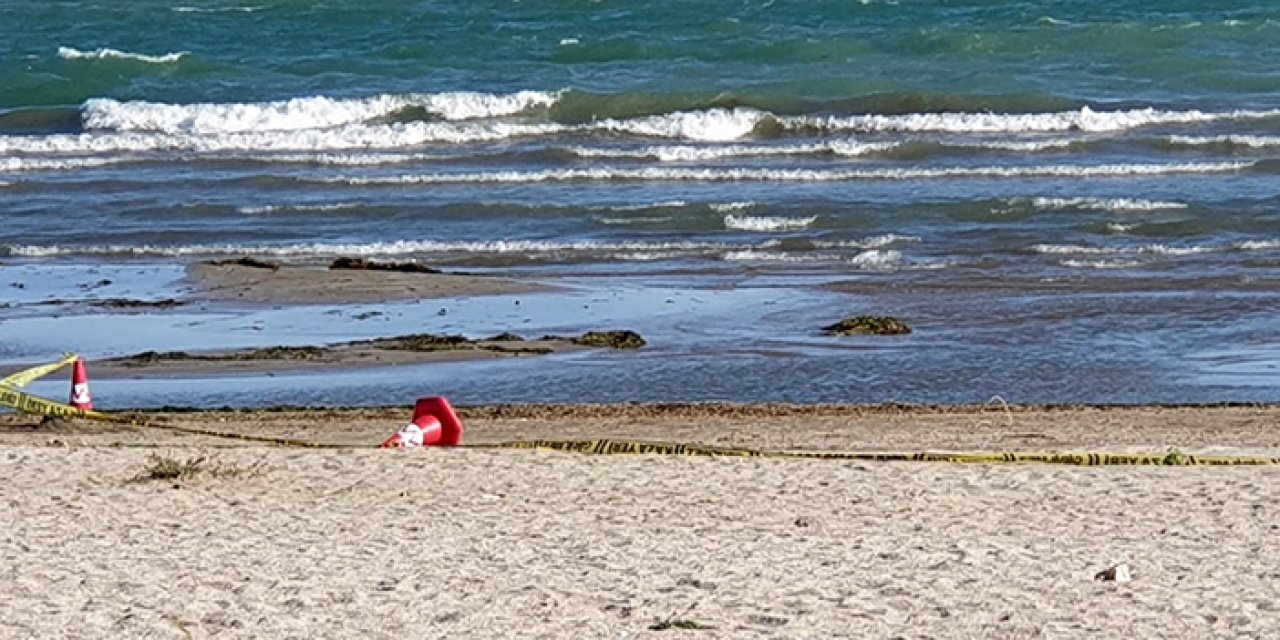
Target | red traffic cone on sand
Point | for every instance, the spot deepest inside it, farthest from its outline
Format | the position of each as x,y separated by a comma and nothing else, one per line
80,397
434,424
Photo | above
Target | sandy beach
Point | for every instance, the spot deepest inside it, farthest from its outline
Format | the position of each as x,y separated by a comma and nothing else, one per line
346,540
473,542
868,319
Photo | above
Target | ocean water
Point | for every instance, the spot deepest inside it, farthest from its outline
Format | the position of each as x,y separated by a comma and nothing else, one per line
1070,202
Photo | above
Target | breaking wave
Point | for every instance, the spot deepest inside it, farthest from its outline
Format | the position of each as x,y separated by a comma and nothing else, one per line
68,53
1106,204
1246,141
690,153
315,112
767,223
793,175
1150,249
1084,119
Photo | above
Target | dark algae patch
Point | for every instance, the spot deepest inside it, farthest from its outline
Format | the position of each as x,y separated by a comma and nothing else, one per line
129,303
608,339
246,262
420,342
868,325
370,265
266,353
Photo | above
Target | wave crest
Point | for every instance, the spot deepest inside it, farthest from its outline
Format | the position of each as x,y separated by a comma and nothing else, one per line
68,53
296,114
766,224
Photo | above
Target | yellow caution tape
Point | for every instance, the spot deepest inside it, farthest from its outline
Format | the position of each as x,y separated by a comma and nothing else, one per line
27,403
625,447
24,377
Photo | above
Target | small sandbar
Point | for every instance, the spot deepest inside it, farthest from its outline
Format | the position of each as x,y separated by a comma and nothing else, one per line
378,352
236,281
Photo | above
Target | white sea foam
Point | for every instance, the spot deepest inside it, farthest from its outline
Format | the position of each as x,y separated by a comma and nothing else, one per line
189,9
68,53
55,164
664,204
870,242
1257,245
1116,227
297,114
877,259
1254,142
1100,264
648,256
1106,204
1027,146
348,159
354,137
1151,249
793,175
275,208
1085,119
399,247
758,255
729,207
691,153
635,220
766,224
712,125
464,105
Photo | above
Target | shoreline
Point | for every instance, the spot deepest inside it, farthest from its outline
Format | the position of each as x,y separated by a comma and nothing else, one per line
1224,429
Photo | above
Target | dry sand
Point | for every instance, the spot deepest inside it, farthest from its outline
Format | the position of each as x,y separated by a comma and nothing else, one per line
480,543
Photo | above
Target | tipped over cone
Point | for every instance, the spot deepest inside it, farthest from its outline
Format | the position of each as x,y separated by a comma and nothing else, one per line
434,424
80,396
424,431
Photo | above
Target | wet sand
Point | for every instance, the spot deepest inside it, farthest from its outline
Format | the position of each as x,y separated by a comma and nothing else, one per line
472,542
291,284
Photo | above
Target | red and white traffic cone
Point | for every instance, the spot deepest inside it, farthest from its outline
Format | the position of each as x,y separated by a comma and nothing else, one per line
80,396
434,424
424,431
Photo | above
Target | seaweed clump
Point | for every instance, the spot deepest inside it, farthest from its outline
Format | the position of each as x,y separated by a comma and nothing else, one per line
424,342
868,325
370,265
246,261
610,339
129,303
266,353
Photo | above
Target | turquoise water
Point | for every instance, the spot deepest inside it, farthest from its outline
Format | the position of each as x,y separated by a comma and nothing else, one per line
645,56
1074,201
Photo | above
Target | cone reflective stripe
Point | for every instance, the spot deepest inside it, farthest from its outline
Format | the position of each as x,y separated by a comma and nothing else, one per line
80,396
424,431
434,424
